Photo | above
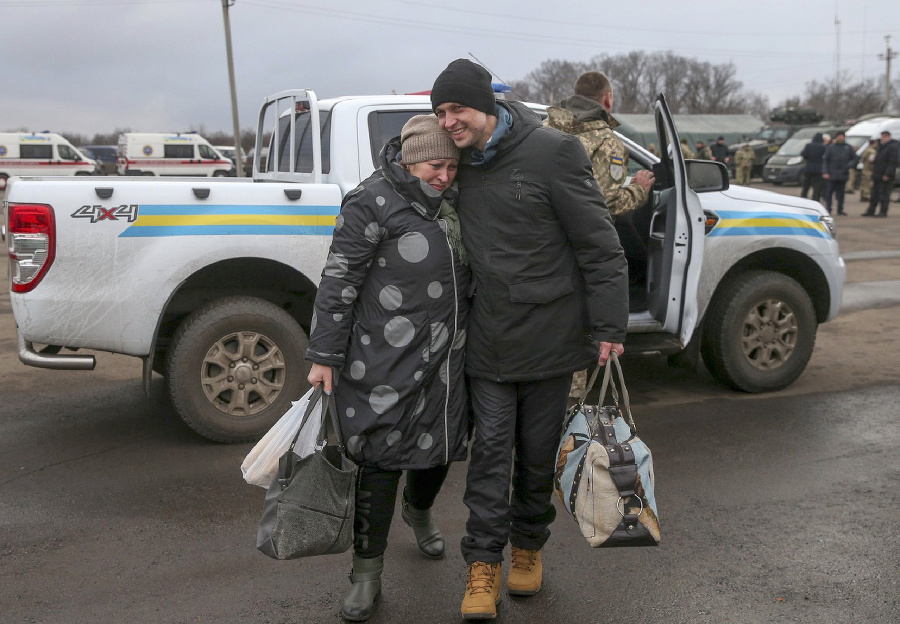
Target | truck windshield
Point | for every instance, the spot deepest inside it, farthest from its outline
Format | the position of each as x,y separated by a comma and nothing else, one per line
302,143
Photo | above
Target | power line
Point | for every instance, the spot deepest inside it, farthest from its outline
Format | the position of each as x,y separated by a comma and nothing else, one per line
618,26
516,36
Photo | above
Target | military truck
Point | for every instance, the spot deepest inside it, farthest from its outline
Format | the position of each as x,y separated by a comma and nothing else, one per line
785,121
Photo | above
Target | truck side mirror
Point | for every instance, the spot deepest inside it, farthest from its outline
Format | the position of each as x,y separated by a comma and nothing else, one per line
705,176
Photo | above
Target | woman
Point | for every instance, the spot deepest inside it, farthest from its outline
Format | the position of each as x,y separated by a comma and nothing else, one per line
390,316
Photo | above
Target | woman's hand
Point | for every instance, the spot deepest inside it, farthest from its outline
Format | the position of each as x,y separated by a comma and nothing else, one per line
320,374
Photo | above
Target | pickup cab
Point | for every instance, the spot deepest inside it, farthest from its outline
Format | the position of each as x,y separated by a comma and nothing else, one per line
211,281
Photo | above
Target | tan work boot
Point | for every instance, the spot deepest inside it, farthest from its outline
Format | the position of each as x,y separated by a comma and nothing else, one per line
482,591
525,573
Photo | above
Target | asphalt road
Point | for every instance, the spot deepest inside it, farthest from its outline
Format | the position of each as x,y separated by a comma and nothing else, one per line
776,508
772,510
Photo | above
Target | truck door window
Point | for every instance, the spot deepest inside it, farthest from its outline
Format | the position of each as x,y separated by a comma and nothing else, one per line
178,151
43,152
207,152
385,125
303,143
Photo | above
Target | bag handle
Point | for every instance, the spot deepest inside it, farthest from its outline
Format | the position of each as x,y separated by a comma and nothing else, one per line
313,401
609,382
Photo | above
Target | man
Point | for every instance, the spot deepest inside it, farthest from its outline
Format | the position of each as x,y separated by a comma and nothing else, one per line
703,151
588,115
720,151
884,169
551,292
839,157
686,150
812,169
743,163
868,163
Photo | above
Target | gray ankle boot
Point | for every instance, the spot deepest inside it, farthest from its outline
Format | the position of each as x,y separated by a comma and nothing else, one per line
365,579
428,536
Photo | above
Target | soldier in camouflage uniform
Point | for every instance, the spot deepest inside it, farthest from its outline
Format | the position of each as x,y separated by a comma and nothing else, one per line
868,161
686,150
743,163
587,116
703,151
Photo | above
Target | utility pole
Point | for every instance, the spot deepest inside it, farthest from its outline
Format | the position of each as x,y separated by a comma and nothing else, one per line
887,56
837,47
239,161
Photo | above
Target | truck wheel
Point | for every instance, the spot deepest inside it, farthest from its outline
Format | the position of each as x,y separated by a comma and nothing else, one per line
759,332
220,174
234,367
3,179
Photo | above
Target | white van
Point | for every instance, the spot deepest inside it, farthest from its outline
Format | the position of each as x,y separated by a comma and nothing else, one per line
858,135
170,154
40,154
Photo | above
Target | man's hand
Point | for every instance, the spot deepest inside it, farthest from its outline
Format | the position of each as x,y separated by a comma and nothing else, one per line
644,178
825,176
606,347
320,374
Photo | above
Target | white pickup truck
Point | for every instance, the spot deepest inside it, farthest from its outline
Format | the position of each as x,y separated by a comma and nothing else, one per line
211,282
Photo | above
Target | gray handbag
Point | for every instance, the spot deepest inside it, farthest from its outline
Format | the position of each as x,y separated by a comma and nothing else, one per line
309,507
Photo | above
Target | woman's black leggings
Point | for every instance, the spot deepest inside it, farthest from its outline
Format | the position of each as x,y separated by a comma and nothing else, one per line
376,495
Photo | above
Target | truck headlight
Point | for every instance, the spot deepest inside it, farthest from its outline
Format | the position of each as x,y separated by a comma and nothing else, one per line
828,222
794,160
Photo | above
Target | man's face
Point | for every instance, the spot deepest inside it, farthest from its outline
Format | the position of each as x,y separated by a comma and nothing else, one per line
699,145
885,137
721,141
466,126
839,139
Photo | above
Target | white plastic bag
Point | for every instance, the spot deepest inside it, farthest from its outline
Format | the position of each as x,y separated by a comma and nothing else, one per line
261,463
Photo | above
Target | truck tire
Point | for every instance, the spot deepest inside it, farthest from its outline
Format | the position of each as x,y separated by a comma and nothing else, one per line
234,367
759,332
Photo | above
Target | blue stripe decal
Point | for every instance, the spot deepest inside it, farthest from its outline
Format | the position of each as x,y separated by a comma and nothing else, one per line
730,214
232,209
228,230
767,231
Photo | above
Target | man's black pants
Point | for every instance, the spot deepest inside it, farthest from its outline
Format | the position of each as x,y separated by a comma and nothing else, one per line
517,431
836,188
814,181
881,193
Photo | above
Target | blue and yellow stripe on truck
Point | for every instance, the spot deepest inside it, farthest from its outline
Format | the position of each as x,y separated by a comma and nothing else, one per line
733,223
232,220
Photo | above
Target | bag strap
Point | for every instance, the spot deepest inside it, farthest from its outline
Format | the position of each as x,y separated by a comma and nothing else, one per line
329,417
313,401
609,383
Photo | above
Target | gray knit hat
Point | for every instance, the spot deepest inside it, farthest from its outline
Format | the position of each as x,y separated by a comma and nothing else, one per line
423,139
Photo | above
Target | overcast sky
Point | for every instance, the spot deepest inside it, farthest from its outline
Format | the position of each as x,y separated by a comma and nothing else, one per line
90,66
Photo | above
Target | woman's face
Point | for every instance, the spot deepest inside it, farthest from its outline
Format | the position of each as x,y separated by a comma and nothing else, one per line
438,174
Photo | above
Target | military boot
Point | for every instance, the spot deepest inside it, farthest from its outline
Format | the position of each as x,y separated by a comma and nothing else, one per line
365,588
525,574
428,536
482,591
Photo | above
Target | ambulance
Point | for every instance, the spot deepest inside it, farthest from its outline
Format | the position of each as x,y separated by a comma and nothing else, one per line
170,154
40,154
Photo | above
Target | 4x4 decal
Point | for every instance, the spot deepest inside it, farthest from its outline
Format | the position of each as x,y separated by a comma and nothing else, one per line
97,213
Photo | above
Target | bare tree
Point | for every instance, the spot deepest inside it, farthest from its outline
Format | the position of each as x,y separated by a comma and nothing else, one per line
690,86
838,99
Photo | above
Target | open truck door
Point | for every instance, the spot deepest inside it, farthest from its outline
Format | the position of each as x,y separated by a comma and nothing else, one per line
675,248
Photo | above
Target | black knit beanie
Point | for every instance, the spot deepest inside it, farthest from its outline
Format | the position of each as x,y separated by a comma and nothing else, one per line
466,83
